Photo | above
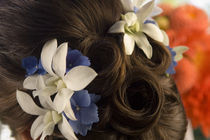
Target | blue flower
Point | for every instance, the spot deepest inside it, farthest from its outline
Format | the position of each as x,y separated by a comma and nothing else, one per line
171,69
135,9
75,58
150,21
85,110
32,65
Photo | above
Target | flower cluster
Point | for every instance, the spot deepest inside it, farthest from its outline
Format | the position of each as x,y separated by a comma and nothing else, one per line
188,25
176,54
85,109
136,24
58,80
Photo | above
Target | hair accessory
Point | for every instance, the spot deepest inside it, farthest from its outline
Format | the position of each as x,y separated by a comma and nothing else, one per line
32,66
176,53
134,24
63,74
137,22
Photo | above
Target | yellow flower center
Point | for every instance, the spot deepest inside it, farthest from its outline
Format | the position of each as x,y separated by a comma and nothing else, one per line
132,29
60,84
52,116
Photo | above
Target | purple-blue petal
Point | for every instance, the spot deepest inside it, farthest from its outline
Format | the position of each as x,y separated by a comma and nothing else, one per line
94,98
73,102
30,64
80,128
89,114
75,58
82,61
171,69
81,98
74,107
135,9
72,55
31,71
150,21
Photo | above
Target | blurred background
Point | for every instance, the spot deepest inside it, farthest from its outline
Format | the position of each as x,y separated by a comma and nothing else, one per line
187,24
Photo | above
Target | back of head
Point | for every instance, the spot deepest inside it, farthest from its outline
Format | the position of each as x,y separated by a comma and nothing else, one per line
138,100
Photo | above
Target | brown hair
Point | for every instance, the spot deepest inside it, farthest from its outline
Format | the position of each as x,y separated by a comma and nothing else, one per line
138,100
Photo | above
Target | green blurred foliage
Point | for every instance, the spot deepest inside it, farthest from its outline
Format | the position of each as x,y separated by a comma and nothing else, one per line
198,135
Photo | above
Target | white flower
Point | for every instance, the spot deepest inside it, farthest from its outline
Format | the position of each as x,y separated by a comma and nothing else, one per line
140,6
46,120
180,50
134,28
57,80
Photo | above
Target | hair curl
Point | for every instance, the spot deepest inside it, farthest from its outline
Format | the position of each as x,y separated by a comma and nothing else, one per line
138,100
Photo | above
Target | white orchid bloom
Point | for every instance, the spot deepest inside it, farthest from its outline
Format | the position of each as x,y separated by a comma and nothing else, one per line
139,6
134,28
180,50
165,38
46,120
57,80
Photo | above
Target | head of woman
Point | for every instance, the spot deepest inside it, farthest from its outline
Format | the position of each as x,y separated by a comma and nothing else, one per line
137,99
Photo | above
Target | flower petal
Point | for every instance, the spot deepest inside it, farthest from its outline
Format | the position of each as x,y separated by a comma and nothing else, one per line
45,103
144,44
89,114
45,98
40,83
48,51
82,61
165,38
37,127
79,77
48,118
47,91
66,129
61,99
150,20
179,52
129,44
59,60
82,98
75,58
69,111
80,128
94,98
56,117
30,82
118,27
51,80
48,130
127,5
138,3
27,104
156,11
130,18
60,84
144,12
153,31
41,70
30,64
